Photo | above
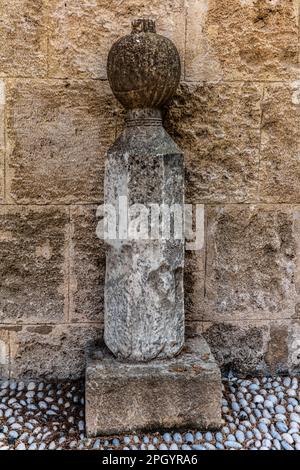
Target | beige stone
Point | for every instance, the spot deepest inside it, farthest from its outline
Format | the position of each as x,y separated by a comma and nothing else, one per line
23,32
217,126
2,138
252,257
58,133
52,351
294,347
33,263
278,350
242,40
81,33
194,283
87,271
201,61
1,177
237,118
4,353
280,143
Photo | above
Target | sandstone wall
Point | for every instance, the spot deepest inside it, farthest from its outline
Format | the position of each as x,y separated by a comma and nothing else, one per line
237,117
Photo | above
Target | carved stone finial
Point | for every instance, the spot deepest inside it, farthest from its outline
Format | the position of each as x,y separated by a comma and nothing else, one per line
143,67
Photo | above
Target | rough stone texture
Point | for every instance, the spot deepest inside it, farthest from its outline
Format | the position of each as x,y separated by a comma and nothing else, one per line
194,284
33,244
242,40
4,352
53,351
23,32
239,131
239,346
83,32
143,67
182,392
144,296
257,347
2,138
217,127
144,310
58,133
293,358
87,271
193,328
280,143
278,347
251,262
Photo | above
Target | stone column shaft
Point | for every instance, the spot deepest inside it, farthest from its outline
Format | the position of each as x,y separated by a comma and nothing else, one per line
144,309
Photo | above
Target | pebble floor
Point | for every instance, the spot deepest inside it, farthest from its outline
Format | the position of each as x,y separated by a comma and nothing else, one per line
259,414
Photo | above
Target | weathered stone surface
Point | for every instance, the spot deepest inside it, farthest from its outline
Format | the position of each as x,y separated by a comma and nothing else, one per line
294,346
201,59
242,40
52,351
33,246
2,137
143,67
1,177
83,32
59,130
252,257
217,126
262,347
183,392
193,328
280,143
4,353
277,354
238,347
144,310
58,134
23,32
144,295
87,271
194,284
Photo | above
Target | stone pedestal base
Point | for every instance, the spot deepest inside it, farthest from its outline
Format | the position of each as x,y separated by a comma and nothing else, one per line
183,392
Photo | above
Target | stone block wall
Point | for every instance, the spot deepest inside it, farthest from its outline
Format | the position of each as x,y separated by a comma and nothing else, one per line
237,117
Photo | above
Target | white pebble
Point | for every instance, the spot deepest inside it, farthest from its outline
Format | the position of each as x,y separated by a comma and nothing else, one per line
31,386
287,382
288,438
81,425
21,446
258,399
295,417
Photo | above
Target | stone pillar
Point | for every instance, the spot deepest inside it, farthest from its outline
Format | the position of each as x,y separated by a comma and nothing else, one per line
147,378
144,309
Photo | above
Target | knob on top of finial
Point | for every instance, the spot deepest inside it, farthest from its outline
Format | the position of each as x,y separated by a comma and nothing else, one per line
143,25
143,67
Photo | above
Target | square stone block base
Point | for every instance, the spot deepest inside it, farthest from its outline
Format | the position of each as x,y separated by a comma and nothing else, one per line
183,392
